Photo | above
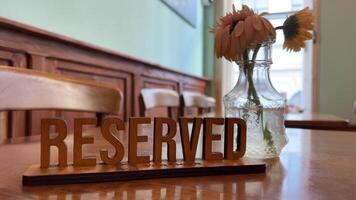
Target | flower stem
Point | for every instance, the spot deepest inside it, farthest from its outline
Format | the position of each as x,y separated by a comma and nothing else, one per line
253,96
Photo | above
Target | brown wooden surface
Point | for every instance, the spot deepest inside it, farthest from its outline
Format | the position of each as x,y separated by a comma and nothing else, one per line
315,164
26,89
29,47
317,121
35,176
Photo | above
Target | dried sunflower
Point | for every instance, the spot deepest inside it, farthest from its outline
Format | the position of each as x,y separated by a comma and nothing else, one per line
296,29
240,30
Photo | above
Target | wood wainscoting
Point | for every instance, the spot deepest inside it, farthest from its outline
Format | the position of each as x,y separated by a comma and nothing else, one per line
25,46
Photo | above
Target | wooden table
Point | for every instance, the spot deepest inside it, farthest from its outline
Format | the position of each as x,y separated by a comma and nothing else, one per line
317,121
314,165
309,120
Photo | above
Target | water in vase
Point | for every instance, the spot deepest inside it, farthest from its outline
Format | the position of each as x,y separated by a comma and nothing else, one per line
265,130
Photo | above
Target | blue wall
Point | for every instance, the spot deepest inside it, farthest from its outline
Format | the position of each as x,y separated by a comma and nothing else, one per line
146,29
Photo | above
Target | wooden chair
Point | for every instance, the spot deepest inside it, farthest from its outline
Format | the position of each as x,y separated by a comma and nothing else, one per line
25,89
158,97
204,103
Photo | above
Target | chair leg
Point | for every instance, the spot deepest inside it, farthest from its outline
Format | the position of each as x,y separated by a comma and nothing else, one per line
99,117
170,112
142,108
200,111
181,109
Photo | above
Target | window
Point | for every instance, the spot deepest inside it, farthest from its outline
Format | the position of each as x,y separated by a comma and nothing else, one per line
274,6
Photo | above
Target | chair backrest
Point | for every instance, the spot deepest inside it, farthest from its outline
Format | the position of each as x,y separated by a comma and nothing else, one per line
25,89
195,99
158,97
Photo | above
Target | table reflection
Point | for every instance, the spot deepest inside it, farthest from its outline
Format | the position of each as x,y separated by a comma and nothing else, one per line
272,184
313,165
209,187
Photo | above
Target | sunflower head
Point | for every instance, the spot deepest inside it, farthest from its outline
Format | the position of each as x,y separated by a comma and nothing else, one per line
296,29
239,31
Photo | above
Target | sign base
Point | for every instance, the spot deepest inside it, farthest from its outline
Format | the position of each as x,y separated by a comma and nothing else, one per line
123,172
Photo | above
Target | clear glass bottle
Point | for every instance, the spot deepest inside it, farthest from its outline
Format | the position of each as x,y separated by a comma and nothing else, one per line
255,100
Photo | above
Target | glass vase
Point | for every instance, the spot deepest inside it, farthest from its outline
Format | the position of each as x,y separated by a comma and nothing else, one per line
255,100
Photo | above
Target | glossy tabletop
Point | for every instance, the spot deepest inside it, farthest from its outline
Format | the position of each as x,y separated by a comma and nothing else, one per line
314,165
308,120
316,121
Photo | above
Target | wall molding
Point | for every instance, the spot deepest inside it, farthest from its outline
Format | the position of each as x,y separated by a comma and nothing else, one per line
26,46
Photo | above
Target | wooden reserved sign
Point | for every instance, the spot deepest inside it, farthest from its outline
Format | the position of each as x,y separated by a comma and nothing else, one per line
112,168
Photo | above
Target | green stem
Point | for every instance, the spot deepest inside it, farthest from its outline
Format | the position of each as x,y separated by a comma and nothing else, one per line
252,95
251,86
255,52
248,70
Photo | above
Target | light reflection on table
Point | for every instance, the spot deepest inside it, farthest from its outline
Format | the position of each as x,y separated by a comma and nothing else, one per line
314,165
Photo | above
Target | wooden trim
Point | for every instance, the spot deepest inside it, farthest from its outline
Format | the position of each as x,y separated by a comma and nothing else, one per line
36,49
54,77
316,58
63,93
30,30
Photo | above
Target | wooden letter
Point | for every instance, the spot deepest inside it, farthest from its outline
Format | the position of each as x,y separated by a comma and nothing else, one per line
229,153
134,138
112,139
209,137
79,140
189,148
58,141
158,139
